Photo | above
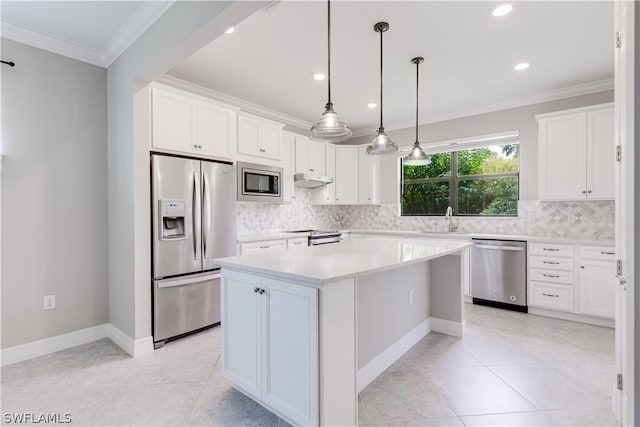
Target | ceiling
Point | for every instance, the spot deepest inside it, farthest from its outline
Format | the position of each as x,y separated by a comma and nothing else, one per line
91,31
469,56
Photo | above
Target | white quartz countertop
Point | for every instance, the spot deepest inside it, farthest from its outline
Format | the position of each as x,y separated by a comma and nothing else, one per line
467,236
277,235
317,265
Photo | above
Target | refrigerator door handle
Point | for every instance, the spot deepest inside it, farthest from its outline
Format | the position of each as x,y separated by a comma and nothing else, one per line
180,282
206,199
194,230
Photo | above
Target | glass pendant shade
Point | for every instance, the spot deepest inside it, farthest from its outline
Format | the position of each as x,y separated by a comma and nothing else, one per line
382,144
417,157
330,128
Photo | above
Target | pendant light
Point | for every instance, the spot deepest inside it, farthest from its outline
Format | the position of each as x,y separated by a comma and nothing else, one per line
330,127
417,157
381,144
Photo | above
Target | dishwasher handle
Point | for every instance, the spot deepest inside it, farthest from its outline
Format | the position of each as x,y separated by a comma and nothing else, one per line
500,248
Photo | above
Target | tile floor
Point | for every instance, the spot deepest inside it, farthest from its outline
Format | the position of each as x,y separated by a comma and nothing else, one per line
509,370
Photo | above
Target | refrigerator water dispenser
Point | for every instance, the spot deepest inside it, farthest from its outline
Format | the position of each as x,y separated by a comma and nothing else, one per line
172,220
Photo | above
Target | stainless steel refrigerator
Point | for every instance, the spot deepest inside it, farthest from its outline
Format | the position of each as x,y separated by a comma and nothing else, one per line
194,222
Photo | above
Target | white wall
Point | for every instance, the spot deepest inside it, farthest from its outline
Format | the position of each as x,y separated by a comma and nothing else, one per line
521,118
54,186
183,29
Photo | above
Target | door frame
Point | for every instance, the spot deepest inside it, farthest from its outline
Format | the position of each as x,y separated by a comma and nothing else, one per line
624,400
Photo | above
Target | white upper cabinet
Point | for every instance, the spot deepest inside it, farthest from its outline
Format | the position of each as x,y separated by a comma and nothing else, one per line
190,124
576,154
601,159
366,176
310,156
287,149
346,175
259,137
330,161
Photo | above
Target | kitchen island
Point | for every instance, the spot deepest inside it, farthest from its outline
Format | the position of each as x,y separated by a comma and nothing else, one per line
305,331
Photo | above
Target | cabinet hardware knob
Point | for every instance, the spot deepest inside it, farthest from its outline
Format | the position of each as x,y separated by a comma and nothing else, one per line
195,145
588,191
255,290
199,146
311,170
261,291
582,267
584,191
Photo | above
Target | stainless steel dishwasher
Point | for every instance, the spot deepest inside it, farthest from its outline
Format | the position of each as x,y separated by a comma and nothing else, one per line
499,273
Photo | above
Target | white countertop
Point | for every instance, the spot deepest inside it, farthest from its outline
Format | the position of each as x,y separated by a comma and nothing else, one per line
317,265
277,235
467,236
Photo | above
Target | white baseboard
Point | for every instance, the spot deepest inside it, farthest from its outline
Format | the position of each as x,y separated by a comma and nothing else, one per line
41,347
27,351
447,327
135,348
591,320
375,367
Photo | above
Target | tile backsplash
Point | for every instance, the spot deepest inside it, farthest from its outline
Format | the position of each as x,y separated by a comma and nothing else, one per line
592,219
262,218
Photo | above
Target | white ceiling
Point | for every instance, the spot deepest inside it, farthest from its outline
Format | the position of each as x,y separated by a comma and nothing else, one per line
92,31
469,56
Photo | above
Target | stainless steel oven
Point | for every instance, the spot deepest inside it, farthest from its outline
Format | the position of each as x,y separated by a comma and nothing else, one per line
259,183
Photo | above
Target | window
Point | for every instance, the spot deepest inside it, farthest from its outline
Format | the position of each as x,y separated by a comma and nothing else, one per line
479,181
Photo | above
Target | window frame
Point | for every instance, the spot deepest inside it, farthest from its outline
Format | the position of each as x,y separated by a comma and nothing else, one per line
454,180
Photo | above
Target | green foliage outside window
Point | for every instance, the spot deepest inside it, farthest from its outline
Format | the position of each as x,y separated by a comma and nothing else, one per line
478,181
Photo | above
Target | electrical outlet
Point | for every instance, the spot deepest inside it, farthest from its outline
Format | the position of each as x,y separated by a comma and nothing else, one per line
411,297
49,302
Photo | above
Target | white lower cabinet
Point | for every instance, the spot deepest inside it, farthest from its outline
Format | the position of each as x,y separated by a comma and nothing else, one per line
253,247
273,355
576,279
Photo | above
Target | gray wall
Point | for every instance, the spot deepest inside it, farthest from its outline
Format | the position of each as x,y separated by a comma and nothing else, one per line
521,118
54,194
384,313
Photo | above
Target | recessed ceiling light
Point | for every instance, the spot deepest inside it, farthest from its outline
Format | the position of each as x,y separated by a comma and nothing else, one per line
521,66
502,10
230,30
319,76
372,105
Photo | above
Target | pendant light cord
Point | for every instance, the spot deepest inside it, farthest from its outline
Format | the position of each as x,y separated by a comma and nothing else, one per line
381,80
329,52
417,99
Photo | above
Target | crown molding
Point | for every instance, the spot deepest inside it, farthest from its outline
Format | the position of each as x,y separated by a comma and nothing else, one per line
40,40
568,92
137,24
243,105
128,33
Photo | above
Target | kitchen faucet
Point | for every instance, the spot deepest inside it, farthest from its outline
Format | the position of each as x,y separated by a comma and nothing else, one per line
449,215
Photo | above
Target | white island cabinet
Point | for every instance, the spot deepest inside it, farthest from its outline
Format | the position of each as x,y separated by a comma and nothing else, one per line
303,330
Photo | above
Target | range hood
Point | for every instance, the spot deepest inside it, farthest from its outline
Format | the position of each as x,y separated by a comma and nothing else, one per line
305,180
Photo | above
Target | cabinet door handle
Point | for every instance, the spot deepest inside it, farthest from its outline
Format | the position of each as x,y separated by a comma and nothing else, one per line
551,249
551,262
551,295
555,276
265,247
607,253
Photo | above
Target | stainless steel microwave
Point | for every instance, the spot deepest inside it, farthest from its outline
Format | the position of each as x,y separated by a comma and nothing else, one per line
259,183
